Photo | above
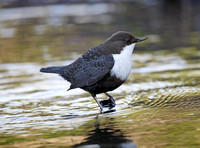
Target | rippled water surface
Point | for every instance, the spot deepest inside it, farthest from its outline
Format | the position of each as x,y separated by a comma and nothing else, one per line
33,103
158,106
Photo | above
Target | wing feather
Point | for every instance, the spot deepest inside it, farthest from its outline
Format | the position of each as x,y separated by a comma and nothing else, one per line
92,71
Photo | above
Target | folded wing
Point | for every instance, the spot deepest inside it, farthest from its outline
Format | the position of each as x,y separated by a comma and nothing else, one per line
91,71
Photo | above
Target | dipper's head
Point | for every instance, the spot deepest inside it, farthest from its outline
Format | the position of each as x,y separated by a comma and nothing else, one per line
123,39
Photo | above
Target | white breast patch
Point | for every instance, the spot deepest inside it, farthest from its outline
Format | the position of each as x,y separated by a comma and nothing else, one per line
123,63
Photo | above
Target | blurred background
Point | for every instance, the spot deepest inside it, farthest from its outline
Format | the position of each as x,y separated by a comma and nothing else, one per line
37,31
158,106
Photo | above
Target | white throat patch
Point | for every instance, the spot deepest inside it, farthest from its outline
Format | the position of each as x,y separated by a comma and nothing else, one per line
123,63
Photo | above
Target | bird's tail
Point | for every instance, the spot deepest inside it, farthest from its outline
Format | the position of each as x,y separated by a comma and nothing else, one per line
54,69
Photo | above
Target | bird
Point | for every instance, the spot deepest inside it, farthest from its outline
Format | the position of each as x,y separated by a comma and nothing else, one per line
102,68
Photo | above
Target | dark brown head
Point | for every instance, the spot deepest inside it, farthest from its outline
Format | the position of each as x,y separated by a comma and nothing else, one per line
124,37
121,39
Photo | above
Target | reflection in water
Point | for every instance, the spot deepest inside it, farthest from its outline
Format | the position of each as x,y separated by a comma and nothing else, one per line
7,32
59,14
106,135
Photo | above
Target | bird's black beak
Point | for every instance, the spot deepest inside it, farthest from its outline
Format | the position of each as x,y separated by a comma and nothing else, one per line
141,39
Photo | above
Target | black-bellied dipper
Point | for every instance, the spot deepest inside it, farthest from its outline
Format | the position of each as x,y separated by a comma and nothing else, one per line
102,68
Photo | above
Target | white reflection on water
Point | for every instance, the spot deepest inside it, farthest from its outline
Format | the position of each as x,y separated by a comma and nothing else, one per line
55,11
7,32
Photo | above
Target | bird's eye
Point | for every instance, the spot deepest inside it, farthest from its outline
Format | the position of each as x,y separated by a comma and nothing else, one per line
128,40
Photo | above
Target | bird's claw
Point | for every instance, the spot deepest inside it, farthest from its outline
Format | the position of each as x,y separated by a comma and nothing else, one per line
107,104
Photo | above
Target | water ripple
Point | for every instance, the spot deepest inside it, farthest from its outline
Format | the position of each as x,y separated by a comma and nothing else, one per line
31,100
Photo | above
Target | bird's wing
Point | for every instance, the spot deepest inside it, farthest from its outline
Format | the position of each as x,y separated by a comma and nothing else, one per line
92,71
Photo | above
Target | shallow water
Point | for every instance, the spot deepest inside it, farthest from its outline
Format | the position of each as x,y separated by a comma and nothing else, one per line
158,106
33,103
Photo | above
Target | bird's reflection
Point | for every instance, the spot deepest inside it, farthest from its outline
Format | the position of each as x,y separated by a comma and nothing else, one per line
106,135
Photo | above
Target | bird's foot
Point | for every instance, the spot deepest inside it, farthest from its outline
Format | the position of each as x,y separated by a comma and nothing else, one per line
107,104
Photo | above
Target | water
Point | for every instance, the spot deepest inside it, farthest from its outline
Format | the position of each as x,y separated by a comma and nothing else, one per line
158,106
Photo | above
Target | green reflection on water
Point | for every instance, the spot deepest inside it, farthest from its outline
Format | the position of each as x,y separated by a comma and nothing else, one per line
147,128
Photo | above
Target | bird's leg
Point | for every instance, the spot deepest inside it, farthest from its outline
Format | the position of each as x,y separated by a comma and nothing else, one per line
95,98
110,97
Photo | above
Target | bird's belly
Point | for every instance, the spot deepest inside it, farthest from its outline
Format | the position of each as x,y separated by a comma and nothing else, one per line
108,83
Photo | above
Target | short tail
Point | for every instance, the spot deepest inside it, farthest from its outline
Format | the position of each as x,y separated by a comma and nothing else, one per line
53,69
